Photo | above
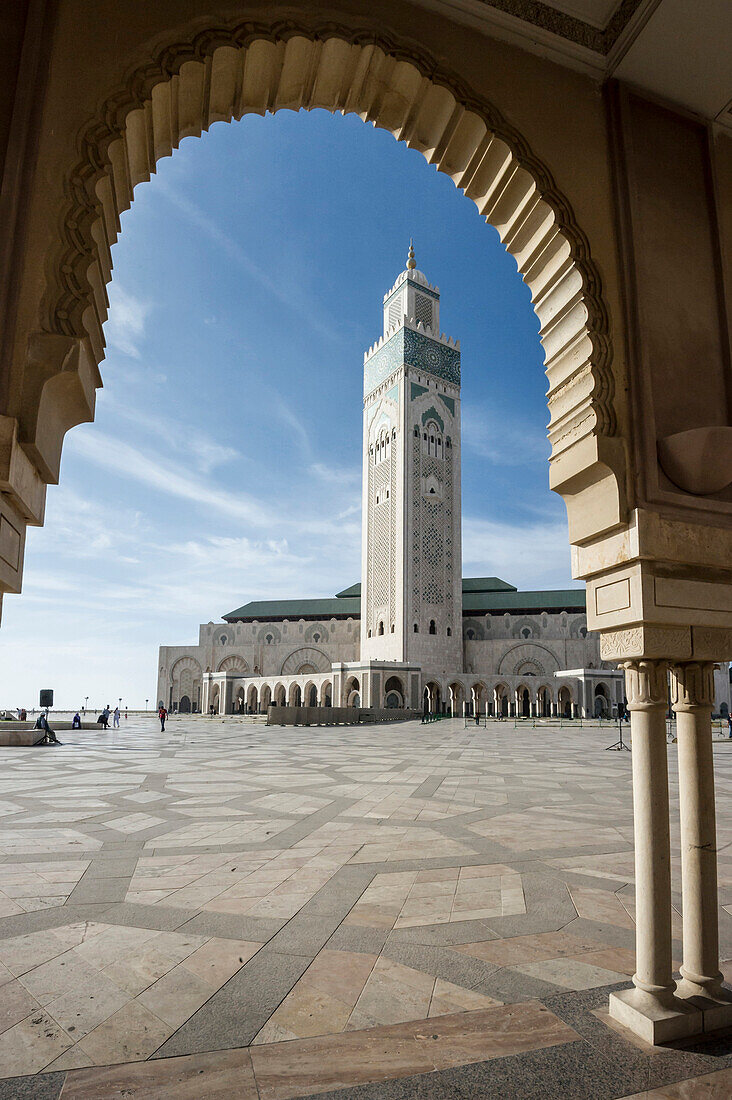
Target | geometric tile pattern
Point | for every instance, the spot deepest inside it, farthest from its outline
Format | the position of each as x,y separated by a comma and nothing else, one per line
285,909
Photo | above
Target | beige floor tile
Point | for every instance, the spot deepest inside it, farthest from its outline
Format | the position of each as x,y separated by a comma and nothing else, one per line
84,1006
30,1045
448,998
15,1004
570,973
228,1076
176,996
131,1034
217,960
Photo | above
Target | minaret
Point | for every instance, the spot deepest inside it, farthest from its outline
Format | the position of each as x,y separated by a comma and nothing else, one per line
411,580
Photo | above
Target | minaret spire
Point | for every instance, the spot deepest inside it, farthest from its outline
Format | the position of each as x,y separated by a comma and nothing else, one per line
411,262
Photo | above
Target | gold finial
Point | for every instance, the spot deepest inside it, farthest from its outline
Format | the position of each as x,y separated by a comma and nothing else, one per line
411,262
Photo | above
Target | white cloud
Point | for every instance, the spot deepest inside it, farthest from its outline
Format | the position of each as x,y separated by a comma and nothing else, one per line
181,438
125,326
335,475
533,556
165,477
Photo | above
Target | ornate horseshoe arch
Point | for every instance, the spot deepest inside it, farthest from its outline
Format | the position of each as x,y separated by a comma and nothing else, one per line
224,72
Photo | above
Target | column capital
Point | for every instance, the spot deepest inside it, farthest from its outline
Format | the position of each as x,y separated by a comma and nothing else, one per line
646,683
692,685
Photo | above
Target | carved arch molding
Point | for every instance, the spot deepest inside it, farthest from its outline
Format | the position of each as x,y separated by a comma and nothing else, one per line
521,659
315,659
224,72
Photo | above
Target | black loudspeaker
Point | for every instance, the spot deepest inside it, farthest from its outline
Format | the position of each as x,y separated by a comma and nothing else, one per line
46,697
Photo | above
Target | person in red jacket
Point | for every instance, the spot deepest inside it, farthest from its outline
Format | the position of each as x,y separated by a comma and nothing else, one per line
162,715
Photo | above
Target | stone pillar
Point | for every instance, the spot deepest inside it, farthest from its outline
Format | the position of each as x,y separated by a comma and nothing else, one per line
692,694
651,1009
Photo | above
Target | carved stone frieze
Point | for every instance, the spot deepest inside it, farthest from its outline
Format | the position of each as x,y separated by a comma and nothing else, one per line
672,643
692,685
711,643
646,683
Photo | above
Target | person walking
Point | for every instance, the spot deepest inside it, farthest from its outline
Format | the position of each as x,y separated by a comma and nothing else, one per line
162,715
104,717
729,724
115,722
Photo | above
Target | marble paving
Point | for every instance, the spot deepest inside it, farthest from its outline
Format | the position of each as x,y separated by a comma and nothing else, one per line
397,911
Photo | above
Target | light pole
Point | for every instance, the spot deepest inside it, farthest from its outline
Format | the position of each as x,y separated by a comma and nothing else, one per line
86,703
146,704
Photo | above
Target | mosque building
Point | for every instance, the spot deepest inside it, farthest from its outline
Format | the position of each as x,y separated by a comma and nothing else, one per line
414,633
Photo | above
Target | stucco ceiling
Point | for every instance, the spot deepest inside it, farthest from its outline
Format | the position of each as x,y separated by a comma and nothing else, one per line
680,50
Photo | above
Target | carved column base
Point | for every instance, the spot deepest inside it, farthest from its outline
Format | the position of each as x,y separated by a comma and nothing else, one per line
646,1016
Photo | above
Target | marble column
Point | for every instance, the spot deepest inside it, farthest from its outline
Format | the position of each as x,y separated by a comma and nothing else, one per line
692,694
651,1009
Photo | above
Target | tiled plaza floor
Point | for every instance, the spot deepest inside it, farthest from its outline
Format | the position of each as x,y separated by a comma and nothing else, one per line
231,910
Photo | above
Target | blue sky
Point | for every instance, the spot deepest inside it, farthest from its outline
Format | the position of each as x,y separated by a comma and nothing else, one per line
224,462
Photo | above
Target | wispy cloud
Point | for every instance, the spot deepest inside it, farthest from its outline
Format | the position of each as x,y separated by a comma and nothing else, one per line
503,441
184,439
335,475
125,326
166,477
280,286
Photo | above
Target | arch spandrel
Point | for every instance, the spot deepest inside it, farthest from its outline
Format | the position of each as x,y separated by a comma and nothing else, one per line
221,74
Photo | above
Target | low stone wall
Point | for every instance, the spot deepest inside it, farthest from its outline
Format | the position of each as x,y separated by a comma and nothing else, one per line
335,716
55,724
14,737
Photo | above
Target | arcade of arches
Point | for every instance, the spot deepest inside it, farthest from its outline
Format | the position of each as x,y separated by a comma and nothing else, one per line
606,184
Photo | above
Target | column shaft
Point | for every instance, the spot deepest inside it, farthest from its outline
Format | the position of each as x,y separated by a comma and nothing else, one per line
647,691
692,688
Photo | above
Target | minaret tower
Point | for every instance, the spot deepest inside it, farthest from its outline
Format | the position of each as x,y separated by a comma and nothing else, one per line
411,580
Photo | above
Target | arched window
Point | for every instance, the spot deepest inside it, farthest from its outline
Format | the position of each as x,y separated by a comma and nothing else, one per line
269,639
316,637
449,631
433,627
381,628
470,634
392,628
416,631
526,633
223,639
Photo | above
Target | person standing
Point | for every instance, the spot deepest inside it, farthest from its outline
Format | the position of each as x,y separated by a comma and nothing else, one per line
115,722
729,724
162,715
105,717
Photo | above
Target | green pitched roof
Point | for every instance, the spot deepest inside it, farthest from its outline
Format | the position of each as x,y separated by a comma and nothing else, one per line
486,584
354,590
480,594
295,609
565,599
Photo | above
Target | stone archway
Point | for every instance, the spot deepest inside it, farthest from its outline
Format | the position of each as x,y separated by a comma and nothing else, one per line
224,73
176,83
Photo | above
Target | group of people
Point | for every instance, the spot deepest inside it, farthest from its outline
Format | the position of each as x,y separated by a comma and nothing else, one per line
103,719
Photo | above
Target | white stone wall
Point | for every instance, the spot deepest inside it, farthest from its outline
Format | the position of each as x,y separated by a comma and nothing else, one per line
506,653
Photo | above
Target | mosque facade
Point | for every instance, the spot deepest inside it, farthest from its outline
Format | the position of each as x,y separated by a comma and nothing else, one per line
415,634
